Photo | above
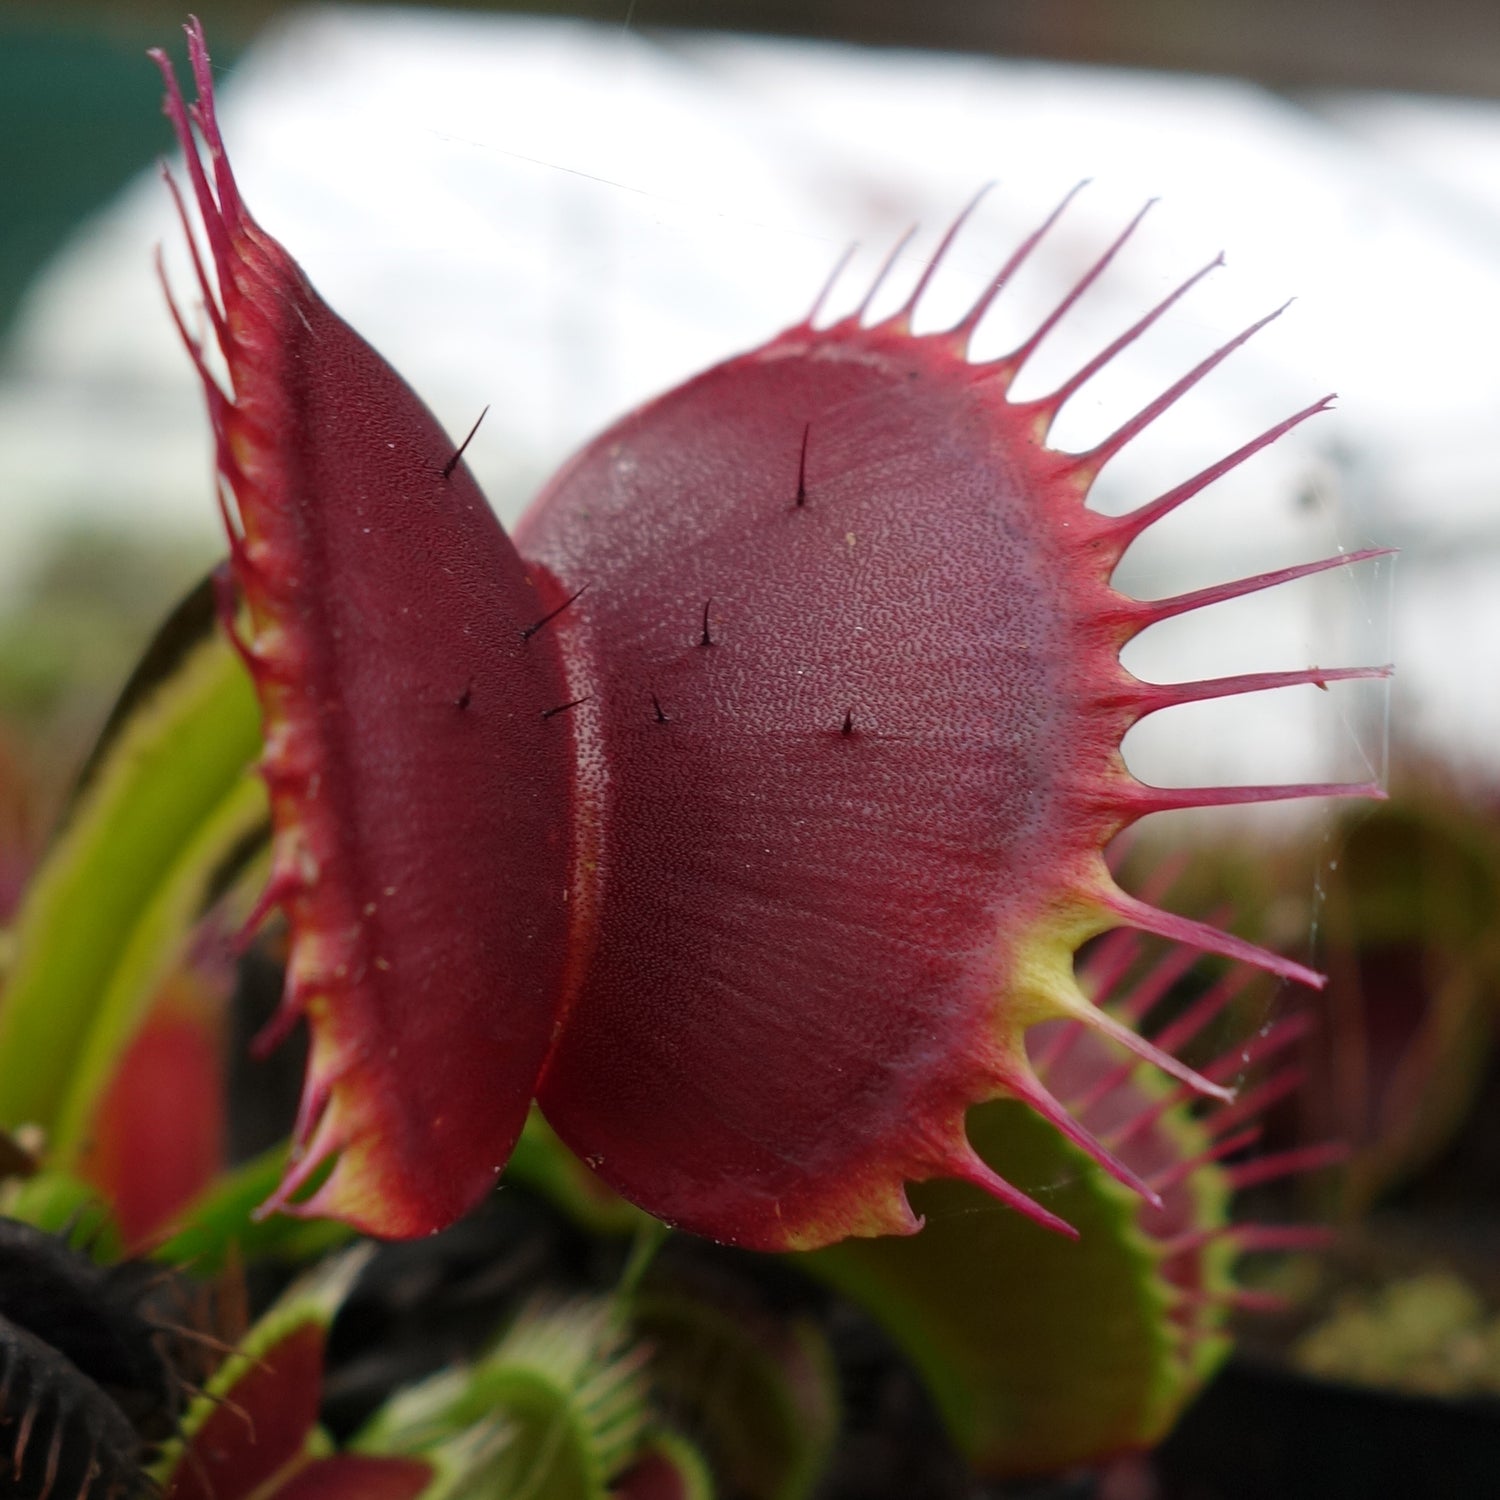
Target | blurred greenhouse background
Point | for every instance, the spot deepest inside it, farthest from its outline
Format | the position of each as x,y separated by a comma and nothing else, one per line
557,218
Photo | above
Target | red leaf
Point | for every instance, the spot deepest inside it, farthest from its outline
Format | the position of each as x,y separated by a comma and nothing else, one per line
420,784
655,1477
353,1476
158,1134
262,1426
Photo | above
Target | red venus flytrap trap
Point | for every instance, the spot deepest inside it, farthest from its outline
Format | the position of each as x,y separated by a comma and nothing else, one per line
746,811
421,796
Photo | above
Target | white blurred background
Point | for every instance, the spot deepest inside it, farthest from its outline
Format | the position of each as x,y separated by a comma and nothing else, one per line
558,219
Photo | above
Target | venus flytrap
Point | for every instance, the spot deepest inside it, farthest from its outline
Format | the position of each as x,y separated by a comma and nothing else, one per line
736,825
746,811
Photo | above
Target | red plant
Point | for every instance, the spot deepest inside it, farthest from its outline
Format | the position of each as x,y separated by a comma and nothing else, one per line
158,1136
420,794
749,815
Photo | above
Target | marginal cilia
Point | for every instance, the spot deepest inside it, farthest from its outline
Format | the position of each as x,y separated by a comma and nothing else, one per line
745,811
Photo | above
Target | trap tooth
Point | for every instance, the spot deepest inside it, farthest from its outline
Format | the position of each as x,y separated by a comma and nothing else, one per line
1013,363
1135,523
1137,614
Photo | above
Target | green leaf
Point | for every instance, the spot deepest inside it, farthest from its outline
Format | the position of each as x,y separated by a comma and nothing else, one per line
759,1392
1040,1353
566,1391
66,1206
167,799
543,1164
221,1227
